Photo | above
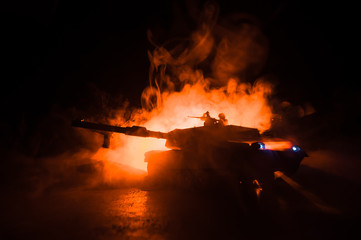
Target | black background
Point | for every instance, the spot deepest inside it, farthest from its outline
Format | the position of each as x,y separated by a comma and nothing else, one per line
63,60
89,56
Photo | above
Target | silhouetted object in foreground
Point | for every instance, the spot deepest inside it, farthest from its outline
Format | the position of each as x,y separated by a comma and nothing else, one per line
222,120
201,157
212,122
208,120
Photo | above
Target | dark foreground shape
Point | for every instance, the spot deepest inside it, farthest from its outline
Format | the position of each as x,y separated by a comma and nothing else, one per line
212,156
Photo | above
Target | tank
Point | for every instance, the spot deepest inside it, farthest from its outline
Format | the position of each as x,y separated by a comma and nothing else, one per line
212,155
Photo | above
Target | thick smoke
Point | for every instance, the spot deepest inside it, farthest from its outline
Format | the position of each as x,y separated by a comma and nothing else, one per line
232,49
216,68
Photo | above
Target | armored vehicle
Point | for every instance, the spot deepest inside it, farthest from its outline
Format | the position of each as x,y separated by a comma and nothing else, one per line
213,154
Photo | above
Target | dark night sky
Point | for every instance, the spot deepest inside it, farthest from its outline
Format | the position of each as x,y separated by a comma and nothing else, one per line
70,54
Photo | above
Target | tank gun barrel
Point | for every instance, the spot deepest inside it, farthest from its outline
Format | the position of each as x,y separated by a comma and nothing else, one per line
201,118
132,131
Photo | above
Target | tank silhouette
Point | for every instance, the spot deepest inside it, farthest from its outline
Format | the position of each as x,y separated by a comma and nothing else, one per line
208,155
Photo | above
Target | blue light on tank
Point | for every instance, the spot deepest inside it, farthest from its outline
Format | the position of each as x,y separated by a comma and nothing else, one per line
296,148
258,146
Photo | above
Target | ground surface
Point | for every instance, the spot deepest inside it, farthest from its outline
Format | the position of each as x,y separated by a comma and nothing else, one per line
312,204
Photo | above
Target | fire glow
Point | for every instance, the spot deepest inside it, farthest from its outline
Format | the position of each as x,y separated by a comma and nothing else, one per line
179,88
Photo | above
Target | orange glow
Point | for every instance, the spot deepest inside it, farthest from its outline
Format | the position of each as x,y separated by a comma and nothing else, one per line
131,152
179,88
259,189
242,104
277,145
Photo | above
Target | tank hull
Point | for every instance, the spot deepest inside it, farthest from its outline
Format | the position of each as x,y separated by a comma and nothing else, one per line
227,162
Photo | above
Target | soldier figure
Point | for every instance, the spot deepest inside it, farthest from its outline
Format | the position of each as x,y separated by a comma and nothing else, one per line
212,122
222,120
208,120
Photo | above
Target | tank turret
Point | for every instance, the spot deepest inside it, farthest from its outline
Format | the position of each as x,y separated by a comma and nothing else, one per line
189,138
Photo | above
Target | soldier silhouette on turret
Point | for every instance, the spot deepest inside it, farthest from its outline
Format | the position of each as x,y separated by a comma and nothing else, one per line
208,120
222,120
212,122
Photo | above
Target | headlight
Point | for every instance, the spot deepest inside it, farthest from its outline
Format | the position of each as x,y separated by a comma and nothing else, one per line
258,145
296,148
